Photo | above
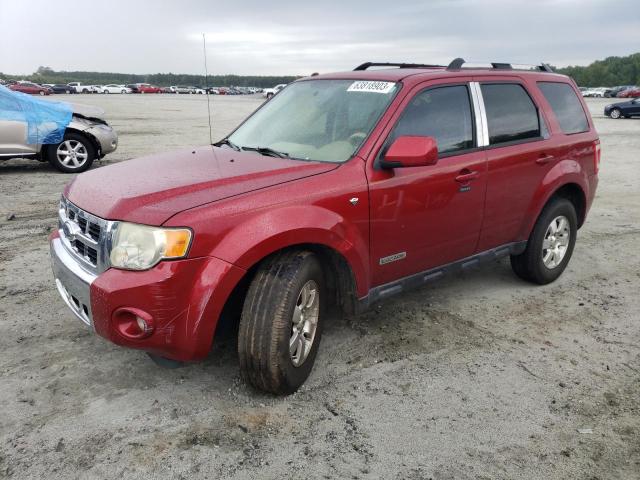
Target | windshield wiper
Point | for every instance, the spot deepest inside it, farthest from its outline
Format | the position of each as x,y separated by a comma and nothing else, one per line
267,151
226,141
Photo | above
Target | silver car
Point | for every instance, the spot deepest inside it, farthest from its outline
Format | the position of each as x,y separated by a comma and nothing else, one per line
87,137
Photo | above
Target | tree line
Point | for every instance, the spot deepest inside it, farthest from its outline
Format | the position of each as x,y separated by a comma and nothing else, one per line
609,72
48,75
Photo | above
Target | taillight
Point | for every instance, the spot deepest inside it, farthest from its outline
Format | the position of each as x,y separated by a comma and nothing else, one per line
596,156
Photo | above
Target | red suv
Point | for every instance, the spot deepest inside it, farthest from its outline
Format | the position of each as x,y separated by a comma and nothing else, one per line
341,191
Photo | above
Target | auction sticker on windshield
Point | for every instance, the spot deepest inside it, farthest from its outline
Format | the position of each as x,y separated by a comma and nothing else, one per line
370,86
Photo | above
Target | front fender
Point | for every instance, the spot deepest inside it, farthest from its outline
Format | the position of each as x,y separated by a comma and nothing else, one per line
261,235
563,173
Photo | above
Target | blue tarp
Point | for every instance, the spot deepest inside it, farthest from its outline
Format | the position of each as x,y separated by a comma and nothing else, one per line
46,121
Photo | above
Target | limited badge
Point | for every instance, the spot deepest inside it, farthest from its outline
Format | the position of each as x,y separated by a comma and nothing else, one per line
371,86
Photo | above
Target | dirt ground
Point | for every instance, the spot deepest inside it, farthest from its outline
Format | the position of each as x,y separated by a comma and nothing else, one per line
480,376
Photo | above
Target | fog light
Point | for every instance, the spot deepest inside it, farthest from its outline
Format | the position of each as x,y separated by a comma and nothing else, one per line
142,325
133,323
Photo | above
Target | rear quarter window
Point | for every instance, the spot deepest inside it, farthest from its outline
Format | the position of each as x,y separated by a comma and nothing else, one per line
566,106
511,114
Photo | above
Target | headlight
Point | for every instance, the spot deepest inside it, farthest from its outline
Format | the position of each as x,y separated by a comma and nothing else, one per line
140,247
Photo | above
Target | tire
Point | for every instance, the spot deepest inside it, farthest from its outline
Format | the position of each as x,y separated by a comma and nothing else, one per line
541,265
84,155
41,92
269,95
615,113
269,322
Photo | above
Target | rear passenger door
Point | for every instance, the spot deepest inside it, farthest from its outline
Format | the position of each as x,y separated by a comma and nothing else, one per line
519,154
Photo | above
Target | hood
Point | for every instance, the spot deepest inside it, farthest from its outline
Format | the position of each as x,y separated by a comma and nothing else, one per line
152,189
87,111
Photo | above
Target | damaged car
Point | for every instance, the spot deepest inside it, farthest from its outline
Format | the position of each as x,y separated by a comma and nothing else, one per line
70,137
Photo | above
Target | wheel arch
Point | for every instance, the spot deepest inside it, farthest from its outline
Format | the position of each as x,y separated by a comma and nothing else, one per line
571,190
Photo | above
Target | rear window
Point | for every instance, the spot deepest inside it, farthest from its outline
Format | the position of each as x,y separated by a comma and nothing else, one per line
566,106
511,114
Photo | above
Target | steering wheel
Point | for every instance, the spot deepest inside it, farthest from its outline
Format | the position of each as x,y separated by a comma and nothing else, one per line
357,138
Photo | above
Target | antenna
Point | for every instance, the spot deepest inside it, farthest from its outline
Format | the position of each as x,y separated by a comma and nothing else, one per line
206,85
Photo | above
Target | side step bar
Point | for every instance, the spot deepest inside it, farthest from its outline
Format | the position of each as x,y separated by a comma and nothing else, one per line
419,279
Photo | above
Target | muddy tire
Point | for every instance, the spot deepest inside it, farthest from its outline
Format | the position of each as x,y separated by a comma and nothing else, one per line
550,244
281,325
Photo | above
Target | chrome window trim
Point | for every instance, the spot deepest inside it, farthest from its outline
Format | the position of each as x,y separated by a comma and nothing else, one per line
482,127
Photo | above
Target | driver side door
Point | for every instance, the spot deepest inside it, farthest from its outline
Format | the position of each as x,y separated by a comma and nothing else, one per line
428,216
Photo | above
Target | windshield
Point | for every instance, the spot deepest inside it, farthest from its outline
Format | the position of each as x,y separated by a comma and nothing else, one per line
324,120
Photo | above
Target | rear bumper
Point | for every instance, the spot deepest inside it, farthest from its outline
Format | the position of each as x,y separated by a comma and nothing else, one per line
181,299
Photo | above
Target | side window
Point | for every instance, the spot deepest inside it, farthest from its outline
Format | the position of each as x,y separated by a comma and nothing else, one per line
511,114
566,106
443,113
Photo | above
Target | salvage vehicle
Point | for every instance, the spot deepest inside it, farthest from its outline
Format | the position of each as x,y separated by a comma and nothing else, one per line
270,92
631,92
623,109
113,88
80,88
341,191
62,88
30,88
147,88
70,137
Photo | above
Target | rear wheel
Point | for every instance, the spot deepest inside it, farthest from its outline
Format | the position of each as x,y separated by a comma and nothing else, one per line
74,154
550,244
281,322
616,113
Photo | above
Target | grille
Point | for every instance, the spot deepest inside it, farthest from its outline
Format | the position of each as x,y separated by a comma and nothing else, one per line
84,235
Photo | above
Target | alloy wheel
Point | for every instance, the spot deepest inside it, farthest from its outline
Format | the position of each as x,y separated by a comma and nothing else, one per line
304,322
72,154
556,242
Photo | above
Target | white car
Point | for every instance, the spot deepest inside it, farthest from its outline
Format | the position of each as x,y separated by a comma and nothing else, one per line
115,89
270,92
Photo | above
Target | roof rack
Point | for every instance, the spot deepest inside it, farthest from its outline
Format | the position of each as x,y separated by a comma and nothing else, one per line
457,64
367,65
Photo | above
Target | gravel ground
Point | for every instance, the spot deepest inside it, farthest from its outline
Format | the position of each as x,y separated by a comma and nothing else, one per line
478,376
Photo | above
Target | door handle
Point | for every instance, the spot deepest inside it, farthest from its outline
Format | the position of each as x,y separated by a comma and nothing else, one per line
466,176
545,159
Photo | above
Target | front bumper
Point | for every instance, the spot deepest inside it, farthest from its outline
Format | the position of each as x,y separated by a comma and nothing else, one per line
73,282
182,299
106,137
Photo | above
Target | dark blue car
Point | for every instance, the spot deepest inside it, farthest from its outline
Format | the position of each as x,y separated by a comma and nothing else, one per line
623,109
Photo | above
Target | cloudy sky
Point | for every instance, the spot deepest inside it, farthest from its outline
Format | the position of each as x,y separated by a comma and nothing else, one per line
299,37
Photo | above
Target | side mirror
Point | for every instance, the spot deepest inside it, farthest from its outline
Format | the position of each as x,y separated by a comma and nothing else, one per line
411,151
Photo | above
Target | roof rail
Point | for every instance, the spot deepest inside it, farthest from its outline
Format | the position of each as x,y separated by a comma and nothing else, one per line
367,65
457,64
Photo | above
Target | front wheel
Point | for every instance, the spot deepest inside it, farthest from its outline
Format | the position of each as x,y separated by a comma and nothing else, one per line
550,244
281,322
74,154
616,113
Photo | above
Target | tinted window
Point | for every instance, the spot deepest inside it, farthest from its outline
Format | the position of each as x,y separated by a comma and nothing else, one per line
566,106
511,114
443,113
